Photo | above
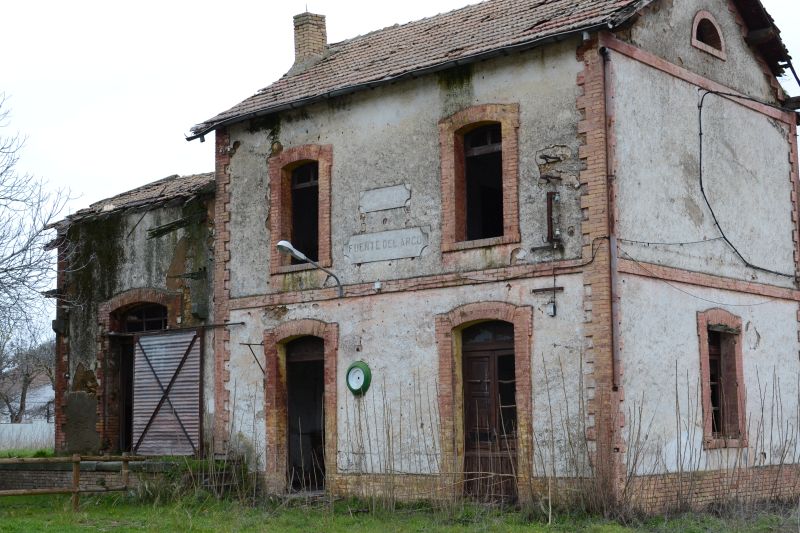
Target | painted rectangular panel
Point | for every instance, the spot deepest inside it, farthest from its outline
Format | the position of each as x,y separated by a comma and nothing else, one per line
386,245
173,427
384,198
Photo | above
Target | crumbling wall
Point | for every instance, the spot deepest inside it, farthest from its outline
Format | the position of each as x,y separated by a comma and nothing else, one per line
111,255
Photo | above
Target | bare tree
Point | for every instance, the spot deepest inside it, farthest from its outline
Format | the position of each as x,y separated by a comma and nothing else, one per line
27,211
24,360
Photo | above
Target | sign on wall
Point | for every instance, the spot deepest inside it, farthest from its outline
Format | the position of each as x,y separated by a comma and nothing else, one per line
386,245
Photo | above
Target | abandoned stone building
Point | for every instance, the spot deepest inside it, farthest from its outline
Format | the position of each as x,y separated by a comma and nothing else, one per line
557,240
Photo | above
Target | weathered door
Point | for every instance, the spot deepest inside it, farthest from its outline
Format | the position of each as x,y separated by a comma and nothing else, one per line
490,412
167,393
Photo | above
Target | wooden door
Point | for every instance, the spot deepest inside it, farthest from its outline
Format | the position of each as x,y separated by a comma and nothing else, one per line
490,414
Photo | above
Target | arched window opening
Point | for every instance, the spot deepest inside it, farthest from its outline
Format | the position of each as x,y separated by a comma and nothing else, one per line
707,35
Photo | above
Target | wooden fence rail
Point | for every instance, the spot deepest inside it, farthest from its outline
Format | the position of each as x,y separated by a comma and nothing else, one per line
75,489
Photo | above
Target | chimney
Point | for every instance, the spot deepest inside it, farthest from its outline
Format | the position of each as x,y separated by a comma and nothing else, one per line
310,37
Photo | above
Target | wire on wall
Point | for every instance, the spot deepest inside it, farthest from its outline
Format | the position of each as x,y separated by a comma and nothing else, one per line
728,96
675,287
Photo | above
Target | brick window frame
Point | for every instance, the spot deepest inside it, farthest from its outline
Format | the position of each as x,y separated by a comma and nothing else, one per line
451,146
275,399
450,384
732,324
697,43
280,216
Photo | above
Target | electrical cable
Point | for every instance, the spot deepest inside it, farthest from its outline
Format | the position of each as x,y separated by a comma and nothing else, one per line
714,302
669,243
794,72
747,263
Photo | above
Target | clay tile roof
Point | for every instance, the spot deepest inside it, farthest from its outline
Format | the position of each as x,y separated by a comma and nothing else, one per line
170,189
426,44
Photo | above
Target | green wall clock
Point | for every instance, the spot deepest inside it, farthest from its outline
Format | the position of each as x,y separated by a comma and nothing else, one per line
358,377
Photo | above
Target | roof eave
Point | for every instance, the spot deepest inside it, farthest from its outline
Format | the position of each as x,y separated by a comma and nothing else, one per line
201,130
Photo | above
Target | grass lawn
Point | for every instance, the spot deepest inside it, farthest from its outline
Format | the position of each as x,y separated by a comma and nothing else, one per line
118,513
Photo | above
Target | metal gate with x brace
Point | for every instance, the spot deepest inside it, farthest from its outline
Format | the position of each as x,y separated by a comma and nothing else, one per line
167,393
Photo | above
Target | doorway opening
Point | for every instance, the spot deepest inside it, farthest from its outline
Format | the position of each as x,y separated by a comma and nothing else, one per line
490,411
305,386
137,319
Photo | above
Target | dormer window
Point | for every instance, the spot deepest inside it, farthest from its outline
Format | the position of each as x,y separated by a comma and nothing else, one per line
707,35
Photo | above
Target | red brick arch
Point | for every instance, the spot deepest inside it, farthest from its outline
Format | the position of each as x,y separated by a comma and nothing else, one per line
451,403
275,341
107,313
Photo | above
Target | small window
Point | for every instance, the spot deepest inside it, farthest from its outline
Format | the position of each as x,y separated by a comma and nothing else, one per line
721,369
483,176
305,209
149,317
707,35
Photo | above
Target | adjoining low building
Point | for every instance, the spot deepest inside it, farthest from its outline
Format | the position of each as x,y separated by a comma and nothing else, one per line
566,236
140,262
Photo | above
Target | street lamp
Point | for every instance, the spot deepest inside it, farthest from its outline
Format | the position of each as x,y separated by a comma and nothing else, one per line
286,248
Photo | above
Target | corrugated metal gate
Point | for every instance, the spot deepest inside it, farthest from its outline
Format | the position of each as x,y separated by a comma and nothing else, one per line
167,388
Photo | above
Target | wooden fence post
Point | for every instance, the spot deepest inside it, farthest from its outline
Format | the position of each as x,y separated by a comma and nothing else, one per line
76,481
125,472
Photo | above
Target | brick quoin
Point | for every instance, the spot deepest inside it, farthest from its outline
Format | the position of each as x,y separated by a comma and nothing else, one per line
603,404
222,216
451,403
275,402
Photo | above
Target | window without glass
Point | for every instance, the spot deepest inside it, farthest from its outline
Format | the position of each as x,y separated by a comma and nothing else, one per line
722,385
483,182
707,35
305,209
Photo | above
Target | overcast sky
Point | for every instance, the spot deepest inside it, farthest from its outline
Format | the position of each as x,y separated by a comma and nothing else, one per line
104,91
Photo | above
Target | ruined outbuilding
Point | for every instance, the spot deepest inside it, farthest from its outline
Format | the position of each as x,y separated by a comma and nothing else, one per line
561,243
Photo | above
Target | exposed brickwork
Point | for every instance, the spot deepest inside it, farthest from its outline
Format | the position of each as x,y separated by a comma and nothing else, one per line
310,36
717,317
451,402
696,490
451,146
605,418
222,276
275,396
109,313
38,478
280,203
62,354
